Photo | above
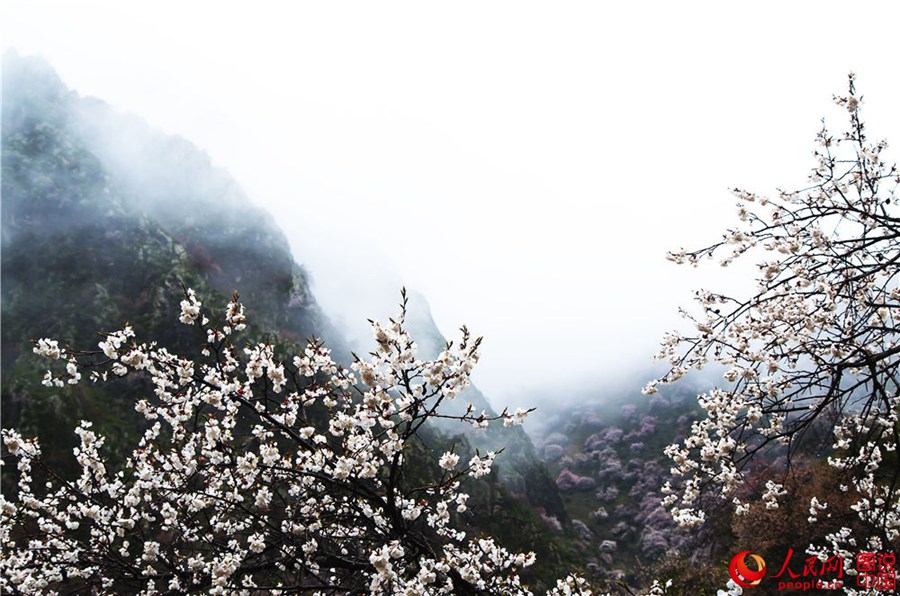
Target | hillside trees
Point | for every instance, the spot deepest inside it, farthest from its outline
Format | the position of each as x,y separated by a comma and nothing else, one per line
817,345
258,474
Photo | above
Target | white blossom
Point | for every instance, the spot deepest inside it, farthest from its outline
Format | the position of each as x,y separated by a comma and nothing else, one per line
250,460
819,336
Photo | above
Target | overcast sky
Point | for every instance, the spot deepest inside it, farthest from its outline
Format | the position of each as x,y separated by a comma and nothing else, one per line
523,165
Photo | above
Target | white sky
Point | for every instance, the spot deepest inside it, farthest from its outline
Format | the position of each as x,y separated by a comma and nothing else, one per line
524,165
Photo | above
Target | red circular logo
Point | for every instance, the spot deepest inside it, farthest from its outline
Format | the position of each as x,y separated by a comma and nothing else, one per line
743,575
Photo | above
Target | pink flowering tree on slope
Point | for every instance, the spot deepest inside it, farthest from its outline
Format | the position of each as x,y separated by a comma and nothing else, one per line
257,475
817,344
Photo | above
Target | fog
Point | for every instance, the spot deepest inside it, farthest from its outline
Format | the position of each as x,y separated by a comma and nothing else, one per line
523,166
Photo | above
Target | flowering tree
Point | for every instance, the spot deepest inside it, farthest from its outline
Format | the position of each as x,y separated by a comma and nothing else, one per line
818,342
258,475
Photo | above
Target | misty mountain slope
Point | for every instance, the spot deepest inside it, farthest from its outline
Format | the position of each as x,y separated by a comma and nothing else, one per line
235,244
112,162
76,258
94,235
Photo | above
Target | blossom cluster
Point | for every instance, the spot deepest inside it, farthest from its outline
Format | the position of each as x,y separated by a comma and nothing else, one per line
258,474
817,343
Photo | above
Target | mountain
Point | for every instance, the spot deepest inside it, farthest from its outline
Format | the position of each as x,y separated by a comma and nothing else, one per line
94,235
106,220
